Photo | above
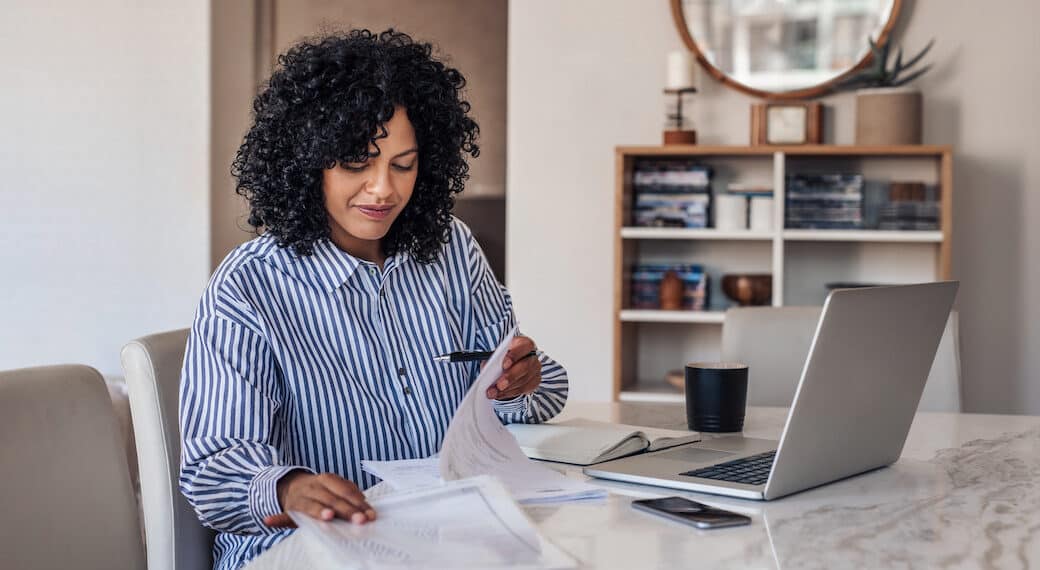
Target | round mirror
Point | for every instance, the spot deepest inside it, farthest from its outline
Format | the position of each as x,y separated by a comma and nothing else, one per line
783,49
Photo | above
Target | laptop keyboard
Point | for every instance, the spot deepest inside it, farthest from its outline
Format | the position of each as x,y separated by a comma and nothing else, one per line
752,470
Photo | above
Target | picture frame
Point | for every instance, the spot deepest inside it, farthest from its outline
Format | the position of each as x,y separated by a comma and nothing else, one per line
786,123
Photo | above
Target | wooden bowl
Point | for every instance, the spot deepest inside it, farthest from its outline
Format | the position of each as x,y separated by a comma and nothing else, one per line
749,288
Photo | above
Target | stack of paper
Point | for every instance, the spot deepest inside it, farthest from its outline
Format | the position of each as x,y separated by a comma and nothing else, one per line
463,524
527,484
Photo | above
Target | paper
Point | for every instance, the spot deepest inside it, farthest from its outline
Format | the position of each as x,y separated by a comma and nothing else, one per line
472,523
407,473
478,444
528,482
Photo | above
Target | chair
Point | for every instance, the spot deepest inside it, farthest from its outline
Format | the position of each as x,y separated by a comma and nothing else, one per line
66,496
774,341
175,538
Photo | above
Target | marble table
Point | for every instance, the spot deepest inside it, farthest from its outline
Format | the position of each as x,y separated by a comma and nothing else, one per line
964,494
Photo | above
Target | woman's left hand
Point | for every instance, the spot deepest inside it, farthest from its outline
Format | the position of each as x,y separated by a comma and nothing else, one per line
521,371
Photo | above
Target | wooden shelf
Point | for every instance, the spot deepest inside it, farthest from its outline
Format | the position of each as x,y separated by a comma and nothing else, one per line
792,150
655,316
799,273
864,236
693,233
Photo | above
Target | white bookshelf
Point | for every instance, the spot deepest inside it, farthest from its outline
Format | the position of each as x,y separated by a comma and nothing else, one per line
863,236
652,316
701,234
802,262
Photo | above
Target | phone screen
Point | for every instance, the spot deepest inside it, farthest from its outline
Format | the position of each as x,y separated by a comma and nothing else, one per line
691,512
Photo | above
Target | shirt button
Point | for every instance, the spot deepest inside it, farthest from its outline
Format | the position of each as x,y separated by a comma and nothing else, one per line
400,371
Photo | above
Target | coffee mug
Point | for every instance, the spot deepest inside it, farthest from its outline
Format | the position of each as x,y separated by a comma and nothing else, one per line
716,396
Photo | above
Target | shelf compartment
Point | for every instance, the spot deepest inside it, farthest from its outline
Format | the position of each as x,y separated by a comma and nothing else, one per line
864,236
693,233
657,316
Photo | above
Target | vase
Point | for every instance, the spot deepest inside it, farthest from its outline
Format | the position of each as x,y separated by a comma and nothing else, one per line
888,116
671,292
748,289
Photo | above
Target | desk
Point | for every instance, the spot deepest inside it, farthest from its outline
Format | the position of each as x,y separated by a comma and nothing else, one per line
965,494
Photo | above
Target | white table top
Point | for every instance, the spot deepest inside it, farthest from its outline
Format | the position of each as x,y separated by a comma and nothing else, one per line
965,494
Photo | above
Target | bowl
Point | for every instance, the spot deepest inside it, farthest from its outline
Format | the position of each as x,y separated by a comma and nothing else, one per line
748,289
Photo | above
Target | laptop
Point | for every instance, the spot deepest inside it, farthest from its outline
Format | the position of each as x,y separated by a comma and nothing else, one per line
859,390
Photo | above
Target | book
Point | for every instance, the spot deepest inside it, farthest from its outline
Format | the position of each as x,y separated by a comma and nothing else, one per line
585,442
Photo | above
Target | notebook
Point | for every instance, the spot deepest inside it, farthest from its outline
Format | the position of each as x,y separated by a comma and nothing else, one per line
584,442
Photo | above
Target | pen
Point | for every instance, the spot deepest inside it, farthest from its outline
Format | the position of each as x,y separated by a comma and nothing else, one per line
466,356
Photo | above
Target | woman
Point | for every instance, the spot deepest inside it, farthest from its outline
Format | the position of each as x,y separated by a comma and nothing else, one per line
312,346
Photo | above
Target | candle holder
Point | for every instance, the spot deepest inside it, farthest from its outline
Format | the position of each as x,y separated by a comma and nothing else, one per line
677,134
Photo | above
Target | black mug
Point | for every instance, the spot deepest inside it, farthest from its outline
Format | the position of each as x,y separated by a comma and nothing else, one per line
716,395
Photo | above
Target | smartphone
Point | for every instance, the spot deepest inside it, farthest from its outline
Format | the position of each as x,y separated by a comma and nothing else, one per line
690,512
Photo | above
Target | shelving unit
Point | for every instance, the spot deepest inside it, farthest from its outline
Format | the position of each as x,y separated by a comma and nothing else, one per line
649,342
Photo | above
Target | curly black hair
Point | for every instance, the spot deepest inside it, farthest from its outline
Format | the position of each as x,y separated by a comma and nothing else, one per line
328,99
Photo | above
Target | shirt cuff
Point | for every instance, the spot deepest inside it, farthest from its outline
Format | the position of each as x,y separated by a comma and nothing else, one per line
517,405
263,493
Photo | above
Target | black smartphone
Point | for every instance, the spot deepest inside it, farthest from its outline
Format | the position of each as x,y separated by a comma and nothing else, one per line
691,512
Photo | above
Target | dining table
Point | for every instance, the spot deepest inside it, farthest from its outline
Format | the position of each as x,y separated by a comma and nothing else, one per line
965,493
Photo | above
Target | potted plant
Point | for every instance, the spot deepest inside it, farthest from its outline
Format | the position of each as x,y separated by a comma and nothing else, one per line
887,112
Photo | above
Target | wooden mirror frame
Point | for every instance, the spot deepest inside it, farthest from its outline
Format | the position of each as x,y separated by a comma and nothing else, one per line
804,93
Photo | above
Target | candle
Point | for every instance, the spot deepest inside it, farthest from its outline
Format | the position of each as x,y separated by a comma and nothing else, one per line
680,70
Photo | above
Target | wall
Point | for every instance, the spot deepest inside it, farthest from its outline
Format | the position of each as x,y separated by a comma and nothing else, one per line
586,75
105,171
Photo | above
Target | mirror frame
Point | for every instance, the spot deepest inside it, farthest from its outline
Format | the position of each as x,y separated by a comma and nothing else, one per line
804,93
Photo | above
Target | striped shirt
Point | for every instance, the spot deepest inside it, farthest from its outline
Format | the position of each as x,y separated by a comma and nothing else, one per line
319,362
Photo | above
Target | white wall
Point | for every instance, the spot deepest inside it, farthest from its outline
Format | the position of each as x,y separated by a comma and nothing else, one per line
585,75
104,175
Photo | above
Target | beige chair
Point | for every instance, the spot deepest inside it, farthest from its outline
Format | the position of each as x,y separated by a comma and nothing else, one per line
774,341
175,538
65,493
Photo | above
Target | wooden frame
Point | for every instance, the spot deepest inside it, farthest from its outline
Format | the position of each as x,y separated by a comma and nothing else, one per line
760,121
809,92
625,338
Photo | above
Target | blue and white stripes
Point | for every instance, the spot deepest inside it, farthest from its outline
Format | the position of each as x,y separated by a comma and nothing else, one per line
320,362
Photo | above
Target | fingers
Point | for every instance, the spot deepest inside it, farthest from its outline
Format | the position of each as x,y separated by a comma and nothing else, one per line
348,494
523,378
324,497
525,385
304,505
519,347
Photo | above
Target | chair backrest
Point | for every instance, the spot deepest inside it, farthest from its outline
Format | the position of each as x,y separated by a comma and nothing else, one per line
774,341
66,496
176,539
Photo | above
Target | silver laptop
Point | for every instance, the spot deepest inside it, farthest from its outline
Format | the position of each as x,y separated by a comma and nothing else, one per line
860,387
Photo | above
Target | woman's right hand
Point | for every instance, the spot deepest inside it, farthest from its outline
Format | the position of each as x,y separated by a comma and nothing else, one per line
322,496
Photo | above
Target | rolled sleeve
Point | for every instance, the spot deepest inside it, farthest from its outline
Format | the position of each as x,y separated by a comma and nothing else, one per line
230,403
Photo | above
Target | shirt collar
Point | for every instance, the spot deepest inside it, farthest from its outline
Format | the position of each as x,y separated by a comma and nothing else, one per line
332,266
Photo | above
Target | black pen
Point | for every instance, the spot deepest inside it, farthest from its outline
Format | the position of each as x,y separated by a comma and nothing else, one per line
466,356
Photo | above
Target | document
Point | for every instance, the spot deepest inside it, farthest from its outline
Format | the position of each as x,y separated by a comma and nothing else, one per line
471,523
529,483
478,444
